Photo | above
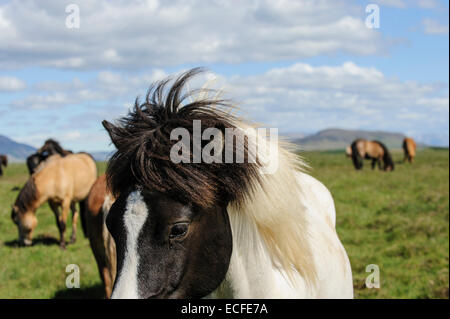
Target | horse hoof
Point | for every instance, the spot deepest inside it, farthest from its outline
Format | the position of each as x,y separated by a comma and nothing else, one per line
62,246
73,240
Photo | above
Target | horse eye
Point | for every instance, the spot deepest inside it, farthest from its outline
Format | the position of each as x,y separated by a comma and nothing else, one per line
178,230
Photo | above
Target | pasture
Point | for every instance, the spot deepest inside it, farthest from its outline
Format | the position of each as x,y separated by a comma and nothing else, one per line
398,220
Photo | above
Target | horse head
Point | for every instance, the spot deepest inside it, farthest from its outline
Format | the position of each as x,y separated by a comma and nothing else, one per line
23,214
170,221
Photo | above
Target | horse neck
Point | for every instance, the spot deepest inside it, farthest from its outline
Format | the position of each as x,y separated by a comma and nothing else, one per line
251,272
40,183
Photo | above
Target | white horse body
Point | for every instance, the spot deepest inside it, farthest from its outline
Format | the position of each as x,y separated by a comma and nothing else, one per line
252,274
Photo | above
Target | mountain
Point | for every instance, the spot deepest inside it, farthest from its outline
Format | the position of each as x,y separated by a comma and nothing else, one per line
15,151
101,156
336,139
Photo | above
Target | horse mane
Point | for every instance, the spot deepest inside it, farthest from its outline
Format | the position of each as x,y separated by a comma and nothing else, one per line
387,158
27,195
143,146
271,203
57,147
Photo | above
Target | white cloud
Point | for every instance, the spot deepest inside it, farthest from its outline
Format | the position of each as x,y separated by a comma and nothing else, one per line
296,98
9,84
402,4
136,34
434,27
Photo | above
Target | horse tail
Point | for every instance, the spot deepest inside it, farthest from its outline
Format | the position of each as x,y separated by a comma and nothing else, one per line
83,212
387,158
356,157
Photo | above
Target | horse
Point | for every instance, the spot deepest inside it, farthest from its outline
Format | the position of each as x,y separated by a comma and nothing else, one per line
34,160
50,147
61,181
348,151
3,162
409,148
99,202
372,150
191,228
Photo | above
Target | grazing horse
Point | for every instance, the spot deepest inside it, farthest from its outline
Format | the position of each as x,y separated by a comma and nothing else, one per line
3,162
98,204
372,150
348,151
61,181
409,148
188,227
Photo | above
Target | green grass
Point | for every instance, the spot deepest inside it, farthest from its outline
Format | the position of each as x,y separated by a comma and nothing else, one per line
397,220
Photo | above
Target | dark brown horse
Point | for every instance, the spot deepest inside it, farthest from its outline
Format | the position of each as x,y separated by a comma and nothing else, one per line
373,150
3,162
50,147
409,148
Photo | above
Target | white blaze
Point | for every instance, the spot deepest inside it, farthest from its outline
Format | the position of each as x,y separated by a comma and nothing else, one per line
134,218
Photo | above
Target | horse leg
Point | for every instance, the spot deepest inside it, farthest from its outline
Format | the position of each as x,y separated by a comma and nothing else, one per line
73,208
55,210
63,221
374,162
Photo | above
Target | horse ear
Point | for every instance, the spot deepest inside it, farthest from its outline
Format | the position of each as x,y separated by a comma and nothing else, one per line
112,132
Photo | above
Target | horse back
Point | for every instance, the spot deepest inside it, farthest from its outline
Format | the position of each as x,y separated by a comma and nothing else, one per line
70,176
374,149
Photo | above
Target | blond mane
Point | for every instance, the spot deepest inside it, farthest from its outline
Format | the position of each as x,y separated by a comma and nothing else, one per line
274,204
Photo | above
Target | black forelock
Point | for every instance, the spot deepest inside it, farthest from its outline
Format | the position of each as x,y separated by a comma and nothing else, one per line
143,146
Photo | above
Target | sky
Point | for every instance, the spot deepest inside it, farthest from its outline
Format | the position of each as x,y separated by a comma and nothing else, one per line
300,66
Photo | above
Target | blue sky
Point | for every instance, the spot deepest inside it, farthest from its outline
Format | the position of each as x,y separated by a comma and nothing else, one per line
300,66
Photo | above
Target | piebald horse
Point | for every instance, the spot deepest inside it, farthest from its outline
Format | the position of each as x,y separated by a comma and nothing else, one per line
60,181
409,148
3,162
99,202
376,151
192,229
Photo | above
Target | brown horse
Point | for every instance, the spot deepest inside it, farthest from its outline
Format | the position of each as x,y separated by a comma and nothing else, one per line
60,181
409,148
98,204
3,162
374,150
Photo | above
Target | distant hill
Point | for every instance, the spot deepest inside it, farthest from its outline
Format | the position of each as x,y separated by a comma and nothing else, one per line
335,139
101,156
15,151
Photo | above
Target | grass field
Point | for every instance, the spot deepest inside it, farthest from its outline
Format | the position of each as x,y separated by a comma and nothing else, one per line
398,221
